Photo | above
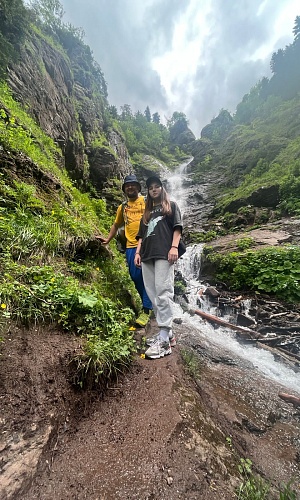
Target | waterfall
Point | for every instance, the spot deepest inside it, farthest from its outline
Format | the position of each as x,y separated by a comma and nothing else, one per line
176,187
222,338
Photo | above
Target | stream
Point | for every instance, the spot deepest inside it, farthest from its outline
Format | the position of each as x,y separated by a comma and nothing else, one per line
180,187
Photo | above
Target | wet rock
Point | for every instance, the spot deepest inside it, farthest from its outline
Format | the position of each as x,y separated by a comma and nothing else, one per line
211,292
177,321
243,320
224,360
251,427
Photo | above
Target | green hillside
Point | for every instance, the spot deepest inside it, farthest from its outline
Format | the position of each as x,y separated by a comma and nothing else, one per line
259,145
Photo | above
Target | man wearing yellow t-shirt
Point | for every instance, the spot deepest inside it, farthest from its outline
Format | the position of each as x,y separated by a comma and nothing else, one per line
129,216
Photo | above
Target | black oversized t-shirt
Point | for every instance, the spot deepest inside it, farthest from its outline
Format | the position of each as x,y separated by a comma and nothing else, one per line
157,235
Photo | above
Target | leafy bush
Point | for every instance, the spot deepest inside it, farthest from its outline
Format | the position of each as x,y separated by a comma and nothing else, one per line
290,194
244,243
270,270
203,237
40,294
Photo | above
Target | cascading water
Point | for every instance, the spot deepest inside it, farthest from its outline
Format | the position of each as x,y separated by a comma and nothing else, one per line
222,338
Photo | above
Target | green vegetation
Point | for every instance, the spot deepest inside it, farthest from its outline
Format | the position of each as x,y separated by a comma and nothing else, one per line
244,243
253,486
51,271
48,274
204,237
146,137
271,270
14,24
259,144
19,132
191,363
179,287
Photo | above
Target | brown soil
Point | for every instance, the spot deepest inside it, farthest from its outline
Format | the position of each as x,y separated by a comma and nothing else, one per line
157,433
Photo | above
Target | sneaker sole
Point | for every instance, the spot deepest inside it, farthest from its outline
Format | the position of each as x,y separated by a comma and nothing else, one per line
172,343
161,355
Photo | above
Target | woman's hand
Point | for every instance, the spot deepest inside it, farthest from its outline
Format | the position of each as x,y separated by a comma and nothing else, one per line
137,260
173,255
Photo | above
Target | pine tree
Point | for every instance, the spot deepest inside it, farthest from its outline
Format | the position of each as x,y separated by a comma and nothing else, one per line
156,118
148,114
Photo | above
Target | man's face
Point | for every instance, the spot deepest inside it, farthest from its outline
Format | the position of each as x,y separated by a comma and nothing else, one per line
131,190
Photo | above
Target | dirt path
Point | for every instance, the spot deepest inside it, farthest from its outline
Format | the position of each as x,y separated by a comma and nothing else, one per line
156,434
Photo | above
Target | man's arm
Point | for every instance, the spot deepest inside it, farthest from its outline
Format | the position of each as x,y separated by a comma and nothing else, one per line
119,221
112,233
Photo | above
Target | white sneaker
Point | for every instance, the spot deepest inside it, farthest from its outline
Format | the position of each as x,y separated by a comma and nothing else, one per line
158,349
172,339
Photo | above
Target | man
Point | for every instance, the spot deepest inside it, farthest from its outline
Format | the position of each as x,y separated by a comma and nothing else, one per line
129,216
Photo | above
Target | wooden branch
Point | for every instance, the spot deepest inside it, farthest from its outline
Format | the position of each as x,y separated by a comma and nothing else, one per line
277,315
289,398
292,354
270,340
245,331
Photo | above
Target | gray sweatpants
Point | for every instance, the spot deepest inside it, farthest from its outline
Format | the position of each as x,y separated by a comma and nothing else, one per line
158,276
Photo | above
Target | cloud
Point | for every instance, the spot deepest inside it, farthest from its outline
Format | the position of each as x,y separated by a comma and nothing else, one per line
189,56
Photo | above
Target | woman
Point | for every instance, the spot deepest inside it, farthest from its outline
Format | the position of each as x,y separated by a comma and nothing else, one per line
157,251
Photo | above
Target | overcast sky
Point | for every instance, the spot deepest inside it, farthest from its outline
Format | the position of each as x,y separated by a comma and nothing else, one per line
193,56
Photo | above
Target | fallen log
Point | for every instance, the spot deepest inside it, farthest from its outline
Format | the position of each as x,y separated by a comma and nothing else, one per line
289,398
245,331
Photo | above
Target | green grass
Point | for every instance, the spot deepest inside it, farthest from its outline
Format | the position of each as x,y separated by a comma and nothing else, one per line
191,363
49,270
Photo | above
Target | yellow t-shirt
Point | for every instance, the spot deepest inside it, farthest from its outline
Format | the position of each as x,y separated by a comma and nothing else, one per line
133,212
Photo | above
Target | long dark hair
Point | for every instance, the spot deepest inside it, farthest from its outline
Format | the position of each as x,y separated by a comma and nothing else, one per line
164,201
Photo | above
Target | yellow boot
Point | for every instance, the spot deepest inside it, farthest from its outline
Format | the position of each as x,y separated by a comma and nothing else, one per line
143,319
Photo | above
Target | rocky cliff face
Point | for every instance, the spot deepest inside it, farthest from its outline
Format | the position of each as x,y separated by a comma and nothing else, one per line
61,94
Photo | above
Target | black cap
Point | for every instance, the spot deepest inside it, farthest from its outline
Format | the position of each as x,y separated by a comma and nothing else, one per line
152,179
129,179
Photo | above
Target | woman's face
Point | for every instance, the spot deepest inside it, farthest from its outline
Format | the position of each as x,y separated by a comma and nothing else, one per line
155,191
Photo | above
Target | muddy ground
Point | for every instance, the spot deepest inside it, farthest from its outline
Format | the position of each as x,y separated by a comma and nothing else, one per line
169,429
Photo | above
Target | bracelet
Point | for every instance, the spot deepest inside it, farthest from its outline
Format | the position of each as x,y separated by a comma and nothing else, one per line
137,253
173,246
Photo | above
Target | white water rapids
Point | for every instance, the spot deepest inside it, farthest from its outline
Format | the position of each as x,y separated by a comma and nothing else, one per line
223,338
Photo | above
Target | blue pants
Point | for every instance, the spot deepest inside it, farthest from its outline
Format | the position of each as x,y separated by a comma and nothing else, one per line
137,277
